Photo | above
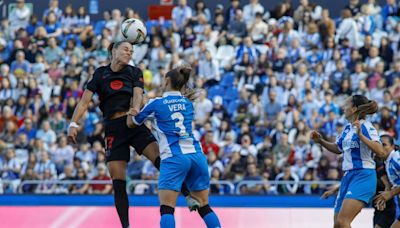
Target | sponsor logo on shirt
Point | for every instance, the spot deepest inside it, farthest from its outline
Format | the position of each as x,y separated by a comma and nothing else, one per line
116,84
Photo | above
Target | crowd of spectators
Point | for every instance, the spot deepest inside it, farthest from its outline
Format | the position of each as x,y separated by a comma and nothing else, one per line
265,79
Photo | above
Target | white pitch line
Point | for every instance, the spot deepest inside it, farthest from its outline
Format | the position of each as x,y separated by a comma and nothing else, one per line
64,217
81,217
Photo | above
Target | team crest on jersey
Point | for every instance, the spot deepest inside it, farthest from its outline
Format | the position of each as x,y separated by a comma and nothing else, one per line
116,84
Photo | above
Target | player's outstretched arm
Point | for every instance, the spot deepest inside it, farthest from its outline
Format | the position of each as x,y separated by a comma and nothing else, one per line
80,109
332,147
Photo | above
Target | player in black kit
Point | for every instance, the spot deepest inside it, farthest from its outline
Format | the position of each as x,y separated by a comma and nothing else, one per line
120,89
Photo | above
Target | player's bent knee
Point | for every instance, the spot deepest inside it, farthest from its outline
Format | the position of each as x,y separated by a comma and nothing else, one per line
341,222
164,209
205,210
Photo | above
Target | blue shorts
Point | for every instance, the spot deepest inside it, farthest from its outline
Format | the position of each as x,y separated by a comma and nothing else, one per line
189,168
357,184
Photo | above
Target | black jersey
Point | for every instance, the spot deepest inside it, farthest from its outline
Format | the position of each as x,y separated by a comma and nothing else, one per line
115,89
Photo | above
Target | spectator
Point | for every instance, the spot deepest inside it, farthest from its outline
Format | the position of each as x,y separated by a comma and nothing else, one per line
281,151
181,15
19,17
53,7
287,175
53,53
252,175
250,12
209,145
80,188
348,28
44,164
46,134
102,176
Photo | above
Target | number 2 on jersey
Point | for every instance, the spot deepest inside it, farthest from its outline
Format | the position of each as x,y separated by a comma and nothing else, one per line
179,124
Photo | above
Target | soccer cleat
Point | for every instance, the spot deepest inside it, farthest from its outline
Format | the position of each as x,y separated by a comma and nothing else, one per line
192,203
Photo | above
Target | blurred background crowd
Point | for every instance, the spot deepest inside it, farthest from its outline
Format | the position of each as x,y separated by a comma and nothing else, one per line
266,78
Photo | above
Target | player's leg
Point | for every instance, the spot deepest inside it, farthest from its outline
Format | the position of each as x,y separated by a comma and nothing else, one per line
118,174
173,171
350,209
396,224
167,207
205,211
198,181
360,192
147,145
117,157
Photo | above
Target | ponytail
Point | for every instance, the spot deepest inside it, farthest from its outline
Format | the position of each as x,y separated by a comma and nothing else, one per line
364,106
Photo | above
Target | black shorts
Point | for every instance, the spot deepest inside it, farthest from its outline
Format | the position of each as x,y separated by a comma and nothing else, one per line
118,138
386,217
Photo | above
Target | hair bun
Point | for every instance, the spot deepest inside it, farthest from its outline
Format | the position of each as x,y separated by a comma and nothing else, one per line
185,71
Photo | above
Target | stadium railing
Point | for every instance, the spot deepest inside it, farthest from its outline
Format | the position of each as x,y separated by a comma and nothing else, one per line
233,188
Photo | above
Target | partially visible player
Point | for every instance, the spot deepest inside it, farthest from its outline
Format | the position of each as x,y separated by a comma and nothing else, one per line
182,159
358,142
392,165
382,218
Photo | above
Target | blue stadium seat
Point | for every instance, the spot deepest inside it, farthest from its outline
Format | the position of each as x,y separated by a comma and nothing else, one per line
216,90
227,80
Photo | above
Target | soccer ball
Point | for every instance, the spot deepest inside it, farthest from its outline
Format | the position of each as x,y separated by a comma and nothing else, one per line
133,30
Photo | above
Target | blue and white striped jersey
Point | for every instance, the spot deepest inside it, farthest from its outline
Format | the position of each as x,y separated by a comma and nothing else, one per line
173,116
357,155
392,165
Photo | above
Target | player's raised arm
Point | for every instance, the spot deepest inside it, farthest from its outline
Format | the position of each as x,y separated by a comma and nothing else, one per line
332,147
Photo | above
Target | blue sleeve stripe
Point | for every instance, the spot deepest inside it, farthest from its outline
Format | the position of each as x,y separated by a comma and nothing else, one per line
395,164
365,131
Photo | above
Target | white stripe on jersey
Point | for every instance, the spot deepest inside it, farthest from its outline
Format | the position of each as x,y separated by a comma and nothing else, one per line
165,150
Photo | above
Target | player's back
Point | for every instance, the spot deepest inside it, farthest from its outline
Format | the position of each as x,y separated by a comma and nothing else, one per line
173,122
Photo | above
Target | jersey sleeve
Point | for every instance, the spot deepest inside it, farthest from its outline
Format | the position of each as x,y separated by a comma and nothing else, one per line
138,80
93,84
146,112
339,142
370,132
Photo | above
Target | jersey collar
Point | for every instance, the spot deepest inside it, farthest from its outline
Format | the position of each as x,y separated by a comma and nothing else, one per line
172,93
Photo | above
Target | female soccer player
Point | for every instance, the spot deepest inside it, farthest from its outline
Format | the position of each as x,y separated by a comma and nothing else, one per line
358,141
116,84
182,159
392,165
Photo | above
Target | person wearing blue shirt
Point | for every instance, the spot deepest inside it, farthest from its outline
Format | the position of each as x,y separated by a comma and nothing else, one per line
392,166
358,143
182,158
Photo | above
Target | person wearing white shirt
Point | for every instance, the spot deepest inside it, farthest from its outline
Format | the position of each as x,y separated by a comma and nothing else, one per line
180,15
19,17
348,29
46,134
203,106
250,10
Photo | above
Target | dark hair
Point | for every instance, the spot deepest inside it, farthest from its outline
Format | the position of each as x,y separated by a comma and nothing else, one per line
179,77
364,106
115,45
389,138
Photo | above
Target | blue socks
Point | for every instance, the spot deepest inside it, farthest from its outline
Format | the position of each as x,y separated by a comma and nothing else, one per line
209,217
167,217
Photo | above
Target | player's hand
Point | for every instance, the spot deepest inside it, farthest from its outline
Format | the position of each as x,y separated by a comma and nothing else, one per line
385,196
380,204
357,124
316,136
328,193
72,133
133,111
